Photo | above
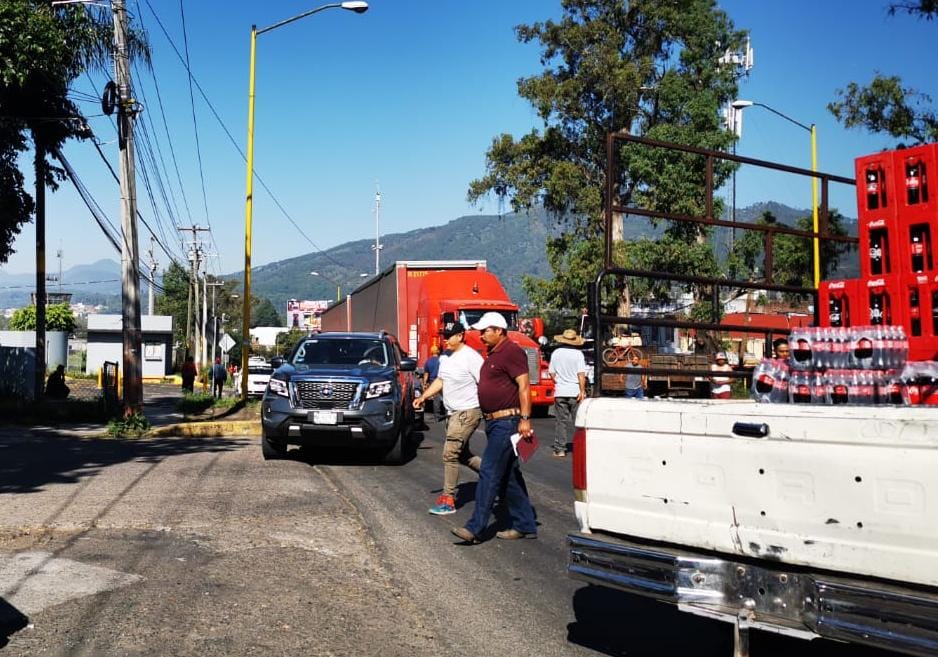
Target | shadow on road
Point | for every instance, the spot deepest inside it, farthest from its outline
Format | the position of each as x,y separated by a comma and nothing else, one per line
28,461
352,456
617,623
12,620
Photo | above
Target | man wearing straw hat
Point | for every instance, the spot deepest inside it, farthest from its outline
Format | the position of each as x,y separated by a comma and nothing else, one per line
568,370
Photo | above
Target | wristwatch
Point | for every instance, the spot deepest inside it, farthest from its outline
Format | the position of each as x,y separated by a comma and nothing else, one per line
525,417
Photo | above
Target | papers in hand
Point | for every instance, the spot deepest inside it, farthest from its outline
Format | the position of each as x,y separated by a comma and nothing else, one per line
524,447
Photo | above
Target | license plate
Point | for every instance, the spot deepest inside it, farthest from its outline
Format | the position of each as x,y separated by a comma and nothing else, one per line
325,417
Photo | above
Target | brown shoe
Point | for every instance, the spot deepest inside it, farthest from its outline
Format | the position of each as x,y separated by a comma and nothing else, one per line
513,535
465,535
559,454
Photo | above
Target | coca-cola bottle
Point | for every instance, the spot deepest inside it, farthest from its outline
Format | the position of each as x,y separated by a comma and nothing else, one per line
872,188
821,347
838,391
799,388
888,388
818,388
840,348
901,349
770,381
861,352
801,345
913,183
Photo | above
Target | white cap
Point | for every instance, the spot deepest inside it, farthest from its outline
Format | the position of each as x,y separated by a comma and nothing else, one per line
496,320
720,356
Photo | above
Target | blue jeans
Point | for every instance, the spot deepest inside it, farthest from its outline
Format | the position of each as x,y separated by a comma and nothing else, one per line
636,393
500,473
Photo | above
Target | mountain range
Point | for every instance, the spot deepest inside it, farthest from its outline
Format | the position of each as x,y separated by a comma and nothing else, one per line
513,245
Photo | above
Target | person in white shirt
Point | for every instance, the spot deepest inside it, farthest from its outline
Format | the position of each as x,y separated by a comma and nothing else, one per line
568,370
458,380
720,385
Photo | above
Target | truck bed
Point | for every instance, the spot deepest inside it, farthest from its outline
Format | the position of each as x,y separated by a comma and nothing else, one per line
845,489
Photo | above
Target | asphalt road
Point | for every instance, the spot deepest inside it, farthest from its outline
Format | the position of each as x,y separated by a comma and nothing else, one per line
199,547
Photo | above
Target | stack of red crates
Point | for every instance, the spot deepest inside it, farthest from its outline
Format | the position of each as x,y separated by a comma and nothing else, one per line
897,201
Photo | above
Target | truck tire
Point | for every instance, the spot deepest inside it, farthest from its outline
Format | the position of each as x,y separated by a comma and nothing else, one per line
395,455
271,448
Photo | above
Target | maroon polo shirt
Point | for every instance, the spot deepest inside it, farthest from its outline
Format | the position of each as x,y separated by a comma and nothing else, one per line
497,387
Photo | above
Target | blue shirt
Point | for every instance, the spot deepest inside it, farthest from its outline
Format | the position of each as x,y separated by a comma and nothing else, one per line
432,368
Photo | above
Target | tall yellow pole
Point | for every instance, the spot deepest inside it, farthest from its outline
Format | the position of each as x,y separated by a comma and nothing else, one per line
814,210
248,218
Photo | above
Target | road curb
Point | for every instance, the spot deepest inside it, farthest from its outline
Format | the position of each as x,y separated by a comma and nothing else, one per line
207,429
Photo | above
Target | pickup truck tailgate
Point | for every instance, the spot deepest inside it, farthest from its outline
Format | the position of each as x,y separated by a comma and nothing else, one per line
847,489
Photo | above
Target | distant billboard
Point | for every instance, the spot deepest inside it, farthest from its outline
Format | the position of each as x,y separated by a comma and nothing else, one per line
305,314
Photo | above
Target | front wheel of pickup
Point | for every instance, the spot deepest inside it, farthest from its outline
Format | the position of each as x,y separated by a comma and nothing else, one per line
272,448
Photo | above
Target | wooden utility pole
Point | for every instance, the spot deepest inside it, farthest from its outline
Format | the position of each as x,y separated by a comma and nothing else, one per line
195,252
40,168
130,271
151,302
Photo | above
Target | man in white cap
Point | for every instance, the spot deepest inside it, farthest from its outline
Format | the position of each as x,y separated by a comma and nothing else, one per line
568,370
458,380
505,400
720,385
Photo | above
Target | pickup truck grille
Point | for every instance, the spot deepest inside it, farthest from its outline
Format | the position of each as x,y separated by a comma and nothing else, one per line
534,364
325,394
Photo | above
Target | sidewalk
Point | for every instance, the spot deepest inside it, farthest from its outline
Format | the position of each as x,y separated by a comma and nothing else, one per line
160,402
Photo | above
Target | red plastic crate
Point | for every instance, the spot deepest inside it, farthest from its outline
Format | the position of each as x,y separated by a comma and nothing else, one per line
920,295
916,183
879,247
917,252
879,301
838,302
876,186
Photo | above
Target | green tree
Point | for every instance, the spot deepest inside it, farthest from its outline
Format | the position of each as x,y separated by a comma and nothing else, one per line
263,313
644,67
42,49
174,300
884,105
59,317
287,341
792,261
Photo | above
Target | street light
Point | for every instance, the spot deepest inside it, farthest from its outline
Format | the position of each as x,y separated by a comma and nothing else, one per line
742,104
357,6
338,286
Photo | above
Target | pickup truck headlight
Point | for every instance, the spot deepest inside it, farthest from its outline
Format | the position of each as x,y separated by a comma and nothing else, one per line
378,389
278,387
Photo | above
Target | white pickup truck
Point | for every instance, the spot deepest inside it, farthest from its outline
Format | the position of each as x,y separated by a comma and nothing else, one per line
811,521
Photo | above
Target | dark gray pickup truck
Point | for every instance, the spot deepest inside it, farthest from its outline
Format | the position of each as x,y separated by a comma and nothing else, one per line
352,390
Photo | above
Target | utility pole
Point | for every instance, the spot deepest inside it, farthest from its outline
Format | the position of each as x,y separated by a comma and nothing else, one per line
151,304
194,250
378,245
40,371
213,285
130,272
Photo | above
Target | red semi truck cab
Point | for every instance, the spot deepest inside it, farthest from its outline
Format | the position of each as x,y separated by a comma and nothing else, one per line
410,299
464,296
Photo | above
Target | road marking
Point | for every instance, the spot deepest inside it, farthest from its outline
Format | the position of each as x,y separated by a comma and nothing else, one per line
32,581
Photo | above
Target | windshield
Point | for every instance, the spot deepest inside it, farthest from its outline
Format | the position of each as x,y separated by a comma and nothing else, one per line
469,316
348,352
259,369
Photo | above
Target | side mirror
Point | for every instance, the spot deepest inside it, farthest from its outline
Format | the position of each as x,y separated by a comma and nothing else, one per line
408,365
276,362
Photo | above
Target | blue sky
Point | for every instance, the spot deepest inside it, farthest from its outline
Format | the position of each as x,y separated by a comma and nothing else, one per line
409,95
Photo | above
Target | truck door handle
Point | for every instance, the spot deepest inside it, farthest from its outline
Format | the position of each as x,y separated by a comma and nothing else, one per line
751,429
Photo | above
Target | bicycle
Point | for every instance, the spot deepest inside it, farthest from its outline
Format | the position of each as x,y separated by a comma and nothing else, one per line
617,353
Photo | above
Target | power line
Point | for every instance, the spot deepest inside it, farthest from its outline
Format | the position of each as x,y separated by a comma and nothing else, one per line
99,216
234,142
195,124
